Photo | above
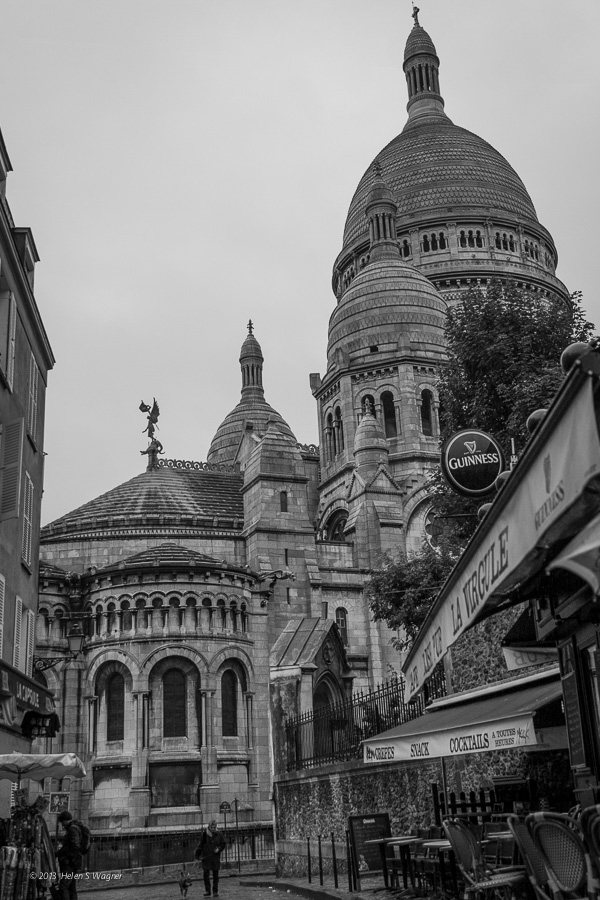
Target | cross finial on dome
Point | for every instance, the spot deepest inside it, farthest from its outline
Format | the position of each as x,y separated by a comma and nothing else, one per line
415,14
250,326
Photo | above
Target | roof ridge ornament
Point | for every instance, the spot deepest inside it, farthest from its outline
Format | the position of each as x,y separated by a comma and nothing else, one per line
250,326
415,15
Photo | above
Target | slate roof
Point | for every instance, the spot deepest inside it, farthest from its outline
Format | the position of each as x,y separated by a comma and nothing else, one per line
194,498
299,642
165,554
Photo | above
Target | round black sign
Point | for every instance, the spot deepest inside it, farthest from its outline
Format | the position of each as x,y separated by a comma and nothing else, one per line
471,462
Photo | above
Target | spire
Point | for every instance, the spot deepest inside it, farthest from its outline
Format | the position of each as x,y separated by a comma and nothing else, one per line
251,362
421,66
381,212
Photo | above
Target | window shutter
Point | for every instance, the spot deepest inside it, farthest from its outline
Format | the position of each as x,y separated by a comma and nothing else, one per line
33,397
2,595
27,520
12,447
17,640
12,337
30,620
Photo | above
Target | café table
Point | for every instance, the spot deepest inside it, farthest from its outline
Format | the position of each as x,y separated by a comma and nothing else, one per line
443,847
403,842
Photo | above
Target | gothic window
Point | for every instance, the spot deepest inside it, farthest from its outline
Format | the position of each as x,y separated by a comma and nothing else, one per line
341,620
174,704
389,414
283,501
229,700
115,707
427,413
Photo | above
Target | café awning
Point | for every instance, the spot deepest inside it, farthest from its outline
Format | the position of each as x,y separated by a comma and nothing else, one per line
582,555
497,717
550,496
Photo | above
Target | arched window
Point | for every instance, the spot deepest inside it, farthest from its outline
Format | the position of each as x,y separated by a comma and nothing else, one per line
283,501
339,431
329,437
389,415
426,247
174,704
427,413
115,707
442,241
406,248
229,700
341,620
335,527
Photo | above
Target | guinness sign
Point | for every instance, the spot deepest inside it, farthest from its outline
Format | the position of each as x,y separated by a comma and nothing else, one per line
471,462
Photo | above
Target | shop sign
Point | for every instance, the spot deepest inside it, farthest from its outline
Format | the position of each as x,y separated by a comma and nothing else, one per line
479,738
28,694
556,478
520,657
471,462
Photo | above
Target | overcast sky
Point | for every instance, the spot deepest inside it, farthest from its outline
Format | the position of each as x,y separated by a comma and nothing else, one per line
188,164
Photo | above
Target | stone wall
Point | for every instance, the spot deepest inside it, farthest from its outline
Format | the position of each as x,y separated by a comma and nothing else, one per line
319,801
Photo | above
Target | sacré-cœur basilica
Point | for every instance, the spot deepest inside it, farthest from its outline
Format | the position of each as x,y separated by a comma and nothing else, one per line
219,597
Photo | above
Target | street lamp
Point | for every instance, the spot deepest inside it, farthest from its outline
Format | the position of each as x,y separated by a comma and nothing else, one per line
75,639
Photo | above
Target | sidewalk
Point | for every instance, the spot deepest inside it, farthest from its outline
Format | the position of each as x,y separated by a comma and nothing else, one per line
235,886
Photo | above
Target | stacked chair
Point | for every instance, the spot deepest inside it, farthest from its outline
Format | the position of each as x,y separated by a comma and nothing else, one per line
481,879
560,853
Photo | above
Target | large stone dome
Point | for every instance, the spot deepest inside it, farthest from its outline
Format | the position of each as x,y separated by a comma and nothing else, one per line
463,214
435,168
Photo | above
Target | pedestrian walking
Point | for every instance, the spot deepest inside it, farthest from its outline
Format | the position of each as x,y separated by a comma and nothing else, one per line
185,882
69,857
208,853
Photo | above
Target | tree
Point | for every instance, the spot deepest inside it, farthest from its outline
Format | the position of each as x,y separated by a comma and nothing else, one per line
504,349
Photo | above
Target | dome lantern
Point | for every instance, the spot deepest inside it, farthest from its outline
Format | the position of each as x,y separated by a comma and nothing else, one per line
381,210
421,67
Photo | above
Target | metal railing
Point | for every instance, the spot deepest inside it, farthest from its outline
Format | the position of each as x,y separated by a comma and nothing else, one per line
334,733
133,851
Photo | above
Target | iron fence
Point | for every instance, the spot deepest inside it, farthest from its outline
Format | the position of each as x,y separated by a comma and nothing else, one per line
132,851
334,733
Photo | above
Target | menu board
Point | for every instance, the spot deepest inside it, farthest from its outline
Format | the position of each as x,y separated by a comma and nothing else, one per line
367,857
573,719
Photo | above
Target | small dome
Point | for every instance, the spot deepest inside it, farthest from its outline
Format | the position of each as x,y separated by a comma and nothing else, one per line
369,435
252,410
388,306
419,42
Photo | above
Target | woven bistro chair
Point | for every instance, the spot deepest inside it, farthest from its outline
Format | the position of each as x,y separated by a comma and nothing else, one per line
589,822
558,839
480,878
539,876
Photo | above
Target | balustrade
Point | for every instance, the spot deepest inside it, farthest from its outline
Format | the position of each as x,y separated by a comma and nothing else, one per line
146,621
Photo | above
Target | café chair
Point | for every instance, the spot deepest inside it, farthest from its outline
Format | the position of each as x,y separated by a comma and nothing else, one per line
539,876
589,822
557,838
480,878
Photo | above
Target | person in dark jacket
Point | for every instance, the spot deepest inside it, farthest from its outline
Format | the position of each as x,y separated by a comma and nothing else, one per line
208,853
69,857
